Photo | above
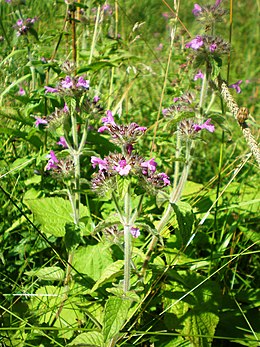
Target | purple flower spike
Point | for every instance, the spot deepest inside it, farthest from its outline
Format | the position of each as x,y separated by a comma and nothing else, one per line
236,86
206,125
149,165
196,10
102,164
123,168
82,83
62,142
67,83
198,75
217,3
50,90
135,232
39,121
195,43
53,160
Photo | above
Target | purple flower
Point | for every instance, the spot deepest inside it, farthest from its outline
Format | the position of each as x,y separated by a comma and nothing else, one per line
196,10
206,125
195,43
62,142
8,1
107,120
164,178
96,99
165,111
217,3
102,164
138,128
236,86
39,121
149,165
53,160
123,168
50,90
135,232
19,23
212,47
67,82
198,75
82,83
21,91
66,108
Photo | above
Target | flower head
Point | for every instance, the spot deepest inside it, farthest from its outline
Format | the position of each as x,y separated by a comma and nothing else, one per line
236,86
102,164
21,91
67,82
50,90
82,83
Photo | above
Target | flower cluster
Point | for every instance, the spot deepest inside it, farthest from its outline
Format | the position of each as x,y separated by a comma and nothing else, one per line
189,129
129,165
60,166
69,86
209,45
23,26
124,135
184,103
209,14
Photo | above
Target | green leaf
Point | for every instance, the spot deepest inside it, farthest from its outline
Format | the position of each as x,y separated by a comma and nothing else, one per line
185,220
48,273
110,272
122,185
53,214
14,84
93,260
91,339
116,310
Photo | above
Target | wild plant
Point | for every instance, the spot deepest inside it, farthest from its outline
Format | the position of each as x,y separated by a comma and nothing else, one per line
124,258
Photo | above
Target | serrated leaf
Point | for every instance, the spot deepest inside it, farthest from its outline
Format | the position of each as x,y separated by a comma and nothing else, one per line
91,339
116,310
53,214
48,273
198,324
92,260
110,272
122,185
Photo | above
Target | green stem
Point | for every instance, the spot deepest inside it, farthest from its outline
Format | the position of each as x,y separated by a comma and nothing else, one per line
127,240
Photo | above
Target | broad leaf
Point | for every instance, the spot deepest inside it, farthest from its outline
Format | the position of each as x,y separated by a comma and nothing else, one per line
53,214
48,273
91,339
110,272
116,310
93,260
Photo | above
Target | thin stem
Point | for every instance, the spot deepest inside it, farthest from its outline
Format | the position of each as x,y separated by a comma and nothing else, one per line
127,240
94,36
